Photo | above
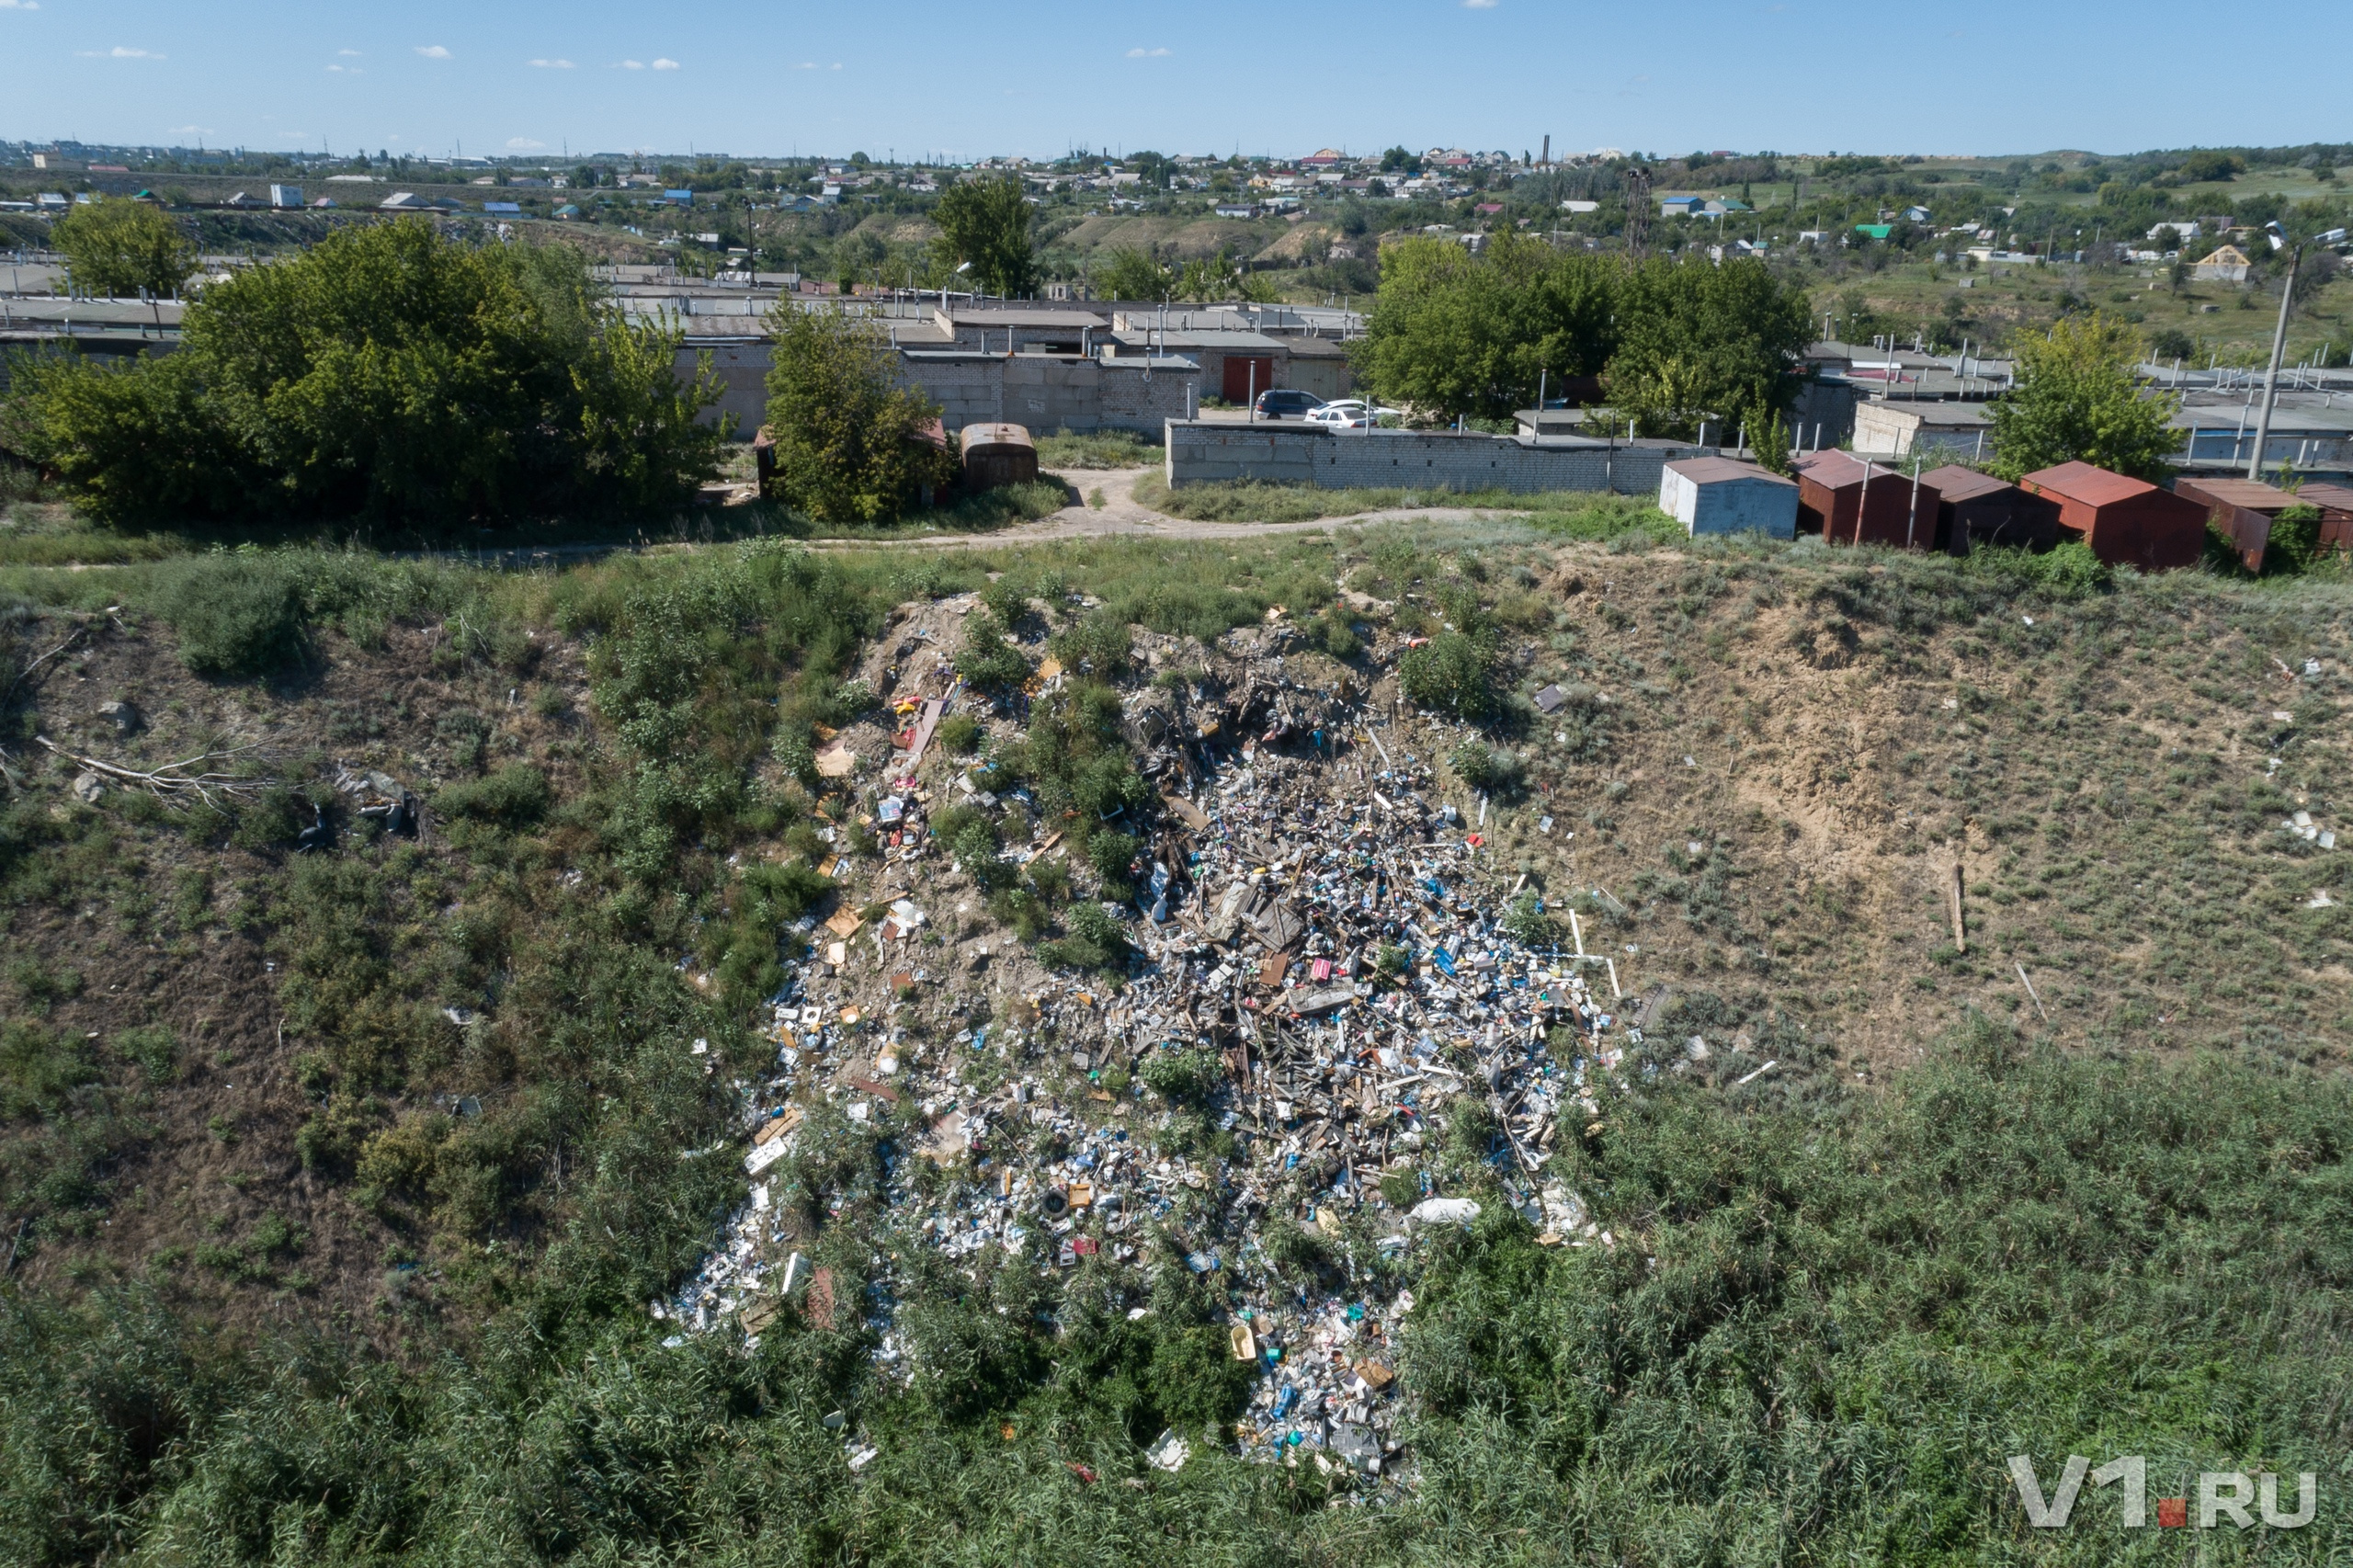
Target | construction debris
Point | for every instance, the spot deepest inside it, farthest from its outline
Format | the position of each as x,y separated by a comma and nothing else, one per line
1326,971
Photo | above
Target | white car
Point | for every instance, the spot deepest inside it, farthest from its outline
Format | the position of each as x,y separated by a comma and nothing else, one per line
1352,413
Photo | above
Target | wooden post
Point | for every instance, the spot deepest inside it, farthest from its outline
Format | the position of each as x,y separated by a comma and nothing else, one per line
1960,933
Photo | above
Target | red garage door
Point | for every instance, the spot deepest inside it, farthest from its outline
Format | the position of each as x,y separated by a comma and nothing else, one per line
1246,377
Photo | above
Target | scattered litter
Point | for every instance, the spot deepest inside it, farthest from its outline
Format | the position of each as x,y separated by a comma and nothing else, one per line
1322,972
1168,1452
1446,1210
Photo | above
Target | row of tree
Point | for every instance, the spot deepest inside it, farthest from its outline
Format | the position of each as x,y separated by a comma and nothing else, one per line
387,373
1452,333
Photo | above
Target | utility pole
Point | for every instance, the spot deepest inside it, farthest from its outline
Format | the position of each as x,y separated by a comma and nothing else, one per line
2271,380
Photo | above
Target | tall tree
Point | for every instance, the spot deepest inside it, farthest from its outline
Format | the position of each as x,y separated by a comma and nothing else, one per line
1695,341
118,246
1454,333
386,373
850,441
2077,402
1126,274
987,224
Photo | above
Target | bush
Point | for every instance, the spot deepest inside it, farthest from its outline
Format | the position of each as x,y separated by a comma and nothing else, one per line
1483,766
2295,541
1187,1077
850,444
959,734
236,614
988,661
1097,941
386,373
516,796
1451,672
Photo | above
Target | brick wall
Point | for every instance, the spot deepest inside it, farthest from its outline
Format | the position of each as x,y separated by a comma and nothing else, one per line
1205,451
1043,392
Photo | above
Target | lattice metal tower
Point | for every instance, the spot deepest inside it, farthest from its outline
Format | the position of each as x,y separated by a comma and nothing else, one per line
1638,209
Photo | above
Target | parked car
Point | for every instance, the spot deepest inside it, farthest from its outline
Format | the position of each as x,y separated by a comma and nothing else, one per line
1282,403
1353,413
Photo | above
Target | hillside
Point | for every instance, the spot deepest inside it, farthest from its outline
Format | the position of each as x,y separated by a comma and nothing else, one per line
347,1176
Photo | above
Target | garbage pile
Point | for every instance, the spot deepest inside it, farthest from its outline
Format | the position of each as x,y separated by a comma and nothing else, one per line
1326,971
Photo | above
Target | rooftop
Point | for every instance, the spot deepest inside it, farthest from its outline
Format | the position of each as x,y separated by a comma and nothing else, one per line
2082,482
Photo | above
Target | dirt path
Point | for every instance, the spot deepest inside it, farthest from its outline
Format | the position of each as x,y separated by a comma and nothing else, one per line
1122,514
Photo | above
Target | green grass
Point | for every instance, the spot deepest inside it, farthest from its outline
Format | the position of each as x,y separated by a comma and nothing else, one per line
1859,1303
1098,448
1247,502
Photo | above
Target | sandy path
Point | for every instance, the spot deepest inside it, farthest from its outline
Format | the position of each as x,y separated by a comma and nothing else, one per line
1122,514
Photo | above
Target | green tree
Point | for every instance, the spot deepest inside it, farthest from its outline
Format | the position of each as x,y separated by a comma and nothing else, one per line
118,246
388,373
1709,342
1454,333
2077,402
850,442
1127,274
1220,278
987,224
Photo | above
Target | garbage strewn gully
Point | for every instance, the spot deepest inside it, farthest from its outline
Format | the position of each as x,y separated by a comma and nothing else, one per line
1292,870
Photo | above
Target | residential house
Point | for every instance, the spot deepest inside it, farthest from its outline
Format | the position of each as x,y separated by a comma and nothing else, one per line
2228,264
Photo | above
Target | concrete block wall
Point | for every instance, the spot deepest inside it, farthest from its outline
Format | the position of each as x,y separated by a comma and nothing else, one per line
742,371
1045,392
1127,398
1203,451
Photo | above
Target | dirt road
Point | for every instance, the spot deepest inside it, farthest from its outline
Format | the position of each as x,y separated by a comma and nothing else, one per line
1121,514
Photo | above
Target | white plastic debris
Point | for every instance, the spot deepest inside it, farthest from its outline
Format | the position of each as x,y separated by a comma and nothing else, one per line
1446,1210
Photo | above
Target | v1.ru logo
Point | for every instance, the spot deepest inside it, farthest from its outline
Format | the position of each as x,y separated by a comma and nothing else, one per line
2221,1493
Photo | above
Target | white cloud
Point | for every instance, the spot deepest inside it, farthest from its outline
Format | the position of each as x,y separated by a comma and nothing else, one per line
19,5
834,66
553,64
1478,4
119,53
348,54
523,144
346,71
806,65
1147,53
630,65
432,52
665,66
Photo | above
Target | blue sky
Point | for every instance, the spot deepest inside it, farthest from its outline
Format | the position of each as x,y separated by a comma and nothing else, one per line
921,77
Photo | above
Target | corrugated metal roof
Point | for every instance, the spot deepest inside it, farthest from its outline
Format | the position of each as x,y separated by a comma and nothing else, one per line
2253,494
2082,482
1954,483
1229,342
1715,471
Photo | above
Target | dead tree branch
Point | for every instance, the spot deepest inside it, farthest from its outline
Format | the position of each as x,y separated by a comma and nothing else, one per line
26,674
173,783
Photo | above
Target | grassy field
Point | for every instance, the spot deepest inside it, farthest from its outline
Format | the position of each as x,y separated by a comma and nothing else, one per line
276,1296
1247,502
2231,323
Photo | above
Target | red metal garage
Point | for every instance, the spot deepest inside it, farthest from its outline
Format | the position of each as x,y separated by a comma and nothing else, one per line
2127,522
1860,503
1246,376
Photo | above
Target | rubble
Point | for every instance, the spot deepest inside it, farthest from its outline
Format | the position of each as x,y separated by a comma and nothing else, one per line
1325,972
